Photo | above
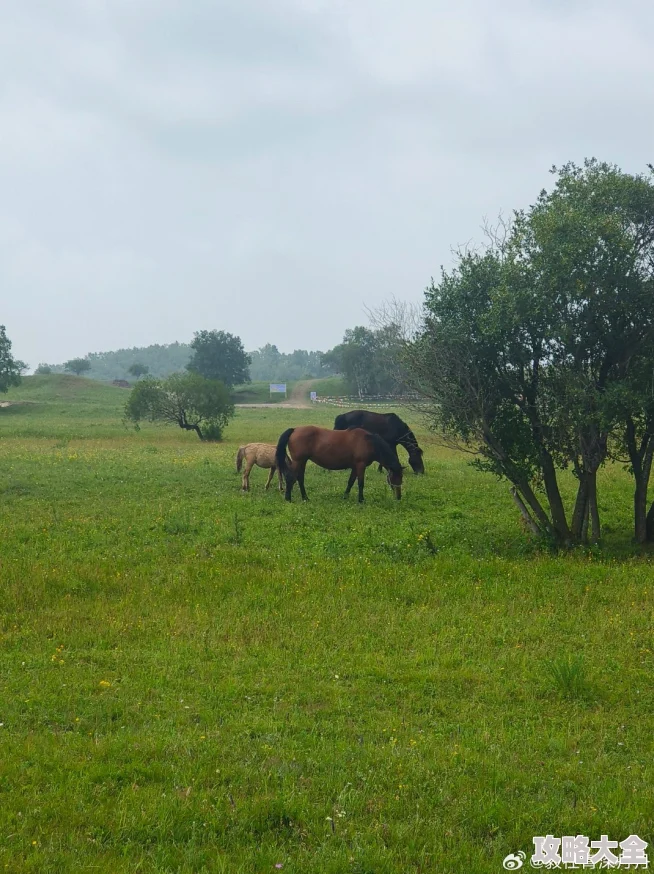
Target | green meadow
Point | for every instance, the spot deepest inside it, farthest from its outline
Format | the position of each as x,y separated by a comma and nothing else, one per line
197,680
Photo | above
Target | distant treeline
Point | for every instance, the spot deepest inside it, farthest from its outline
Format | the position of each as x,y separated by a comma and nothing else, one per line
267,363
161,360
367,359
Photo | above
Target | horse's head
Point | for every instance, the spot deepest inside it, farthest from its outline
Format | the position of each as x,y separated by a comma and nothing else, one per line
415,460
394,479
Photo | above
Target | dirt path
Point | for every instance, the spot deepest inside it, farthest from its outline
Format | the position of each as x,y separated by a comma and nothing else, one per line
297,400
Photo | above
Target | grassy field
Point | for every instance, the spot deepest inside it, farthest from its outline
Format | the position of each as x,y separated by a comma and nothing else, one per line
196,680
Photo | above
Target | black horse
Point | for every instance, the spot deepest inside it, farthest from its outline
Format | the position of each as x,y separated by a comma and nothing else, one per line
390,427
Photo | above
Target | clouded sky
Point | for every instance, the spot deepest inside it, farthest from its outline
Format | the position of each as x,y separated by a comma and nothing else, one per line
269,168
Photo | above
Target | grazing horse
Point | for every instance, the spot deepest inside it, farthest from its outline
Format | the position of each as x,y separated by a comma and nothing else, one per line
390,427
336,450
261,454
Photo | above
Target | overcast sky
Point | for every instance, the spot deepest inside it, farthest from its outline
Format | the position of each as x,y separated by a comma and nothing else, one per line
270,168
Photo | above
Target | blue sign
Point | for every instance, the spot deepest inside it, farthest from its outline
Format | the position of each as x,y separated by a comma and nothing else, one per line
277,387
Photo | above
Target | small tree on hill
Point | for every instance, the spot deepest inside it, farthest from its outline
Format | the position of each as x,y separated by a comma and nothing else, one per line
43,369
219,355
187,400
139,370
78,366
10,368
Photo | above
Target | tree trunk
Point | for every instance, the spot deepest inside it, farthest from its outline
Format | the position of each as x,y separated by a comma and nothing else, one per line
648,528
542,518
584,527
559,521
650,524
595,532
641,515
640,457
524,512
580,514
195,428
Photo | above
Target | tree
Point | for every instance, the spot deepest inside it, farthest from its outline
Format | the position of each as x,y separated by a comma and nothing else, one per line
139,370
43,369
10,368
526,348
219,355
184,399
368,360
78,366
268,363
590,246
466,363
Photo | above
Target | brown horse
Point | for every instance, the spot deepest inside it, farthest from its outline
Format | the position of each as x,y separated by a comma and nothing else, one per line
261,454
336,450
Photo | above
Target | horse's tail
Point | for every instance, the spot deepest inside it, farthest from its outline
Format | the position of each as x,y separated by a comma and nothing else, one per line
240,455
340,422
385,454
280,452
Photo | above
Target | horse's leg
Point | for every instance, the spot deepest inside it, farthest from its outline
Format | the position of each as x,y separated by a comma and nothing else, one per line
246,475
270,476
290,482
361,472
300,479
350,483
281,480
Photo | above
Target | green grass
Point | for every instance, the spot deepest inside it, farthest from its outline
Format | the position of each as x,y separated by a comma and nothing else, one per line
329,386
196,680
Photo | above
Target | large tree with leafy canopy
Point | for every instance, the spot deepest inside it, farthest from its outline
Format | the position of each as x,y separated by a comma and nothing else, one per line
369,361
534,352
78,366
187,400
219,355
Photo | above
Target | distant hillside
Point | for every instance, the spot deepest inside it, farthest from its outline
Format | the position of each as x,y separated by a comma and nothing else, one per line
162,361
63,388
268,363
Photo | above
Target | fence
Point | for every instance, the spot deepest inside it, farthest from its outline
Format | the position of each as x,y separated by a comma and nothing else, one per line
367,401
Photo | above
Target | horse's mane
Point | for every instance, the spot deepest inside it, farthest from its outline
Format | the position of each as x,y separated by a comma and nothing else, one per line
385,454
411,438
407,436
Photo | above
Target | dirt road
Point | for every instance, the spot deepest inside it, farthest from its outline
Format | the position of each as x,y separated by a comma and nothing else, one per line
297,400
